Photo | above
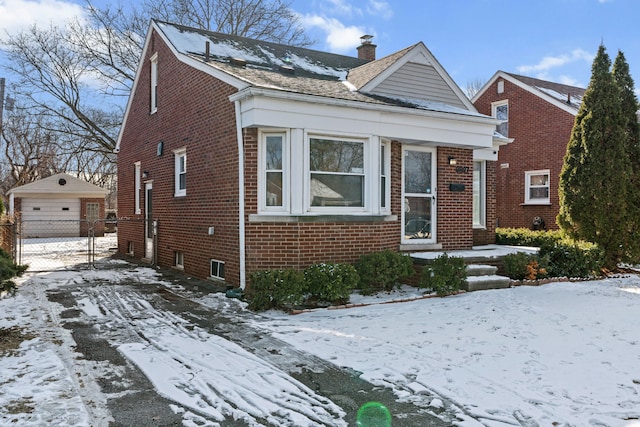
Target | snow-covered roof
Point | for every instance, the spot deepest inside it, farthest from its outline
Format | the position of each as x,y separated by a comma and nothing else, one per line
292,69
59,184
569,95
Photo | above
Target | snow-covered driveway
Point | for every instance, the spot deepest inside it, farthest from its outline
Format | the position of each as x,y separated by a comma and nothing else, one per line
129,346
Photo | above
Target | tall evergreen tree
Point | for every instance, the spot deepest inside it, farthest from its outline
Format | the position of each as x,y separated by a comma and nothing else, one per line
629,101
595,178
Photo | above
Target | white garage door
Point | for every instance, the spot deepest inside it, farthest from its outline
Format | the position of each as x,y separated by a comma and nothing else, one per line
50,217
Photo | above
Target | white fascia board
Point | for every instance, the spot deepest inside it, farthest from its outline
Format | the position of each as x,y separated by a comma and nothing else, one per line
540,94
261,108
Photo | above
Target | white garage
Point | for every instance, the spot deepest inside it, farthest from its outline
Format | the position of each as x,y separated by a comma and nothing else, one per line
57,206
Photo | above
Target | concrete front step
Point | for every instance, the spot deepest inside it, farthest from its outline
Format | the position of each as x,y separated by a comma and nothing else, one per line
484,282
481,270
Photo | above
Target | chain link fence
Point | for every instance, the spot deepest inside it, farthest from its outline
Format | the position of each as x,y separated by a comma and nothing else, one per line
65,244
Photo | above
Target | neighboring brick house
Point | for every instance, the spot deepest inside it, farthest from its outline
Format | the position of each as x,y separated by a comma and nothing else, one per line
538,116
243,155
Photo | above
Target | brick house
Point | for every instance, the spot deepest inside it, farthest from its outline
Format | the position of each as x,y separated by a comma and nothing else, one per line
296,156
538,116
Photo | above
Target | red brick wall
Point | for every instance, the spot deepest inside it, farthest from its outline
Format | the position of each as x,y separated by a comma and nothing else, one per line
205,125
541,132
455,219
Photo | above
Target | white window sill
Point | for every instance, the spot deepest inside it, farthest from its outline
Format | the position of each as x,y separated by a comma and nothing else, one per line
321,218
540,203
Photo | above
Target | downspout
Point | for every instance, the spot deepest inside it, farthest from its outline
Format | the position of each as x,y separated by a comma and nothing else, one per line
241,225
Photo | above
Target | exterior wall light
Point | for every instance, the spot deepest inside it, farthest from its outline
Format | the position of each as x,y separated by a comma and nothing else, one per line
452,161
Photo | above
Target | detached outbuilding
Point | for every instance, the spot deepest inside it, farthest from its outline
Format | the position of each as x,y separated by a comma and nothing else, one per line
58,206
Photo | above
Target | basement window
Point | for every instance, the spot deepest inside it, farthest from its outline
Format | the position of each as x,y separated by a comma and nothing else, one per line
217,269
179,260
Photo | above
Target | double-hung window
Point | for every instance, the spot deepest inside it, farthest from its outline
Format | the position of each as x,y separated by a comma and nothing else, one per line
274,163
536,187
336,173
154,83
180,174
500,110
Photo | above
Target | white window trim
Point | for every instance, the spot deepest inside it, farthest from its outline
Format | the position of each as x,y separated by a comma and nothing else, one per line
368,184
154,83
483,195
494,108
262,156
181,152
211,264
386,146
179,260
138,187
527,187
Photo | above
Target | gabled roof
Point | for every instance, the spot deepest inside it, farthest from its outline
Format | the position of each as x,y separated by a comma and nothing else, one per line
256,63
59,184
563,96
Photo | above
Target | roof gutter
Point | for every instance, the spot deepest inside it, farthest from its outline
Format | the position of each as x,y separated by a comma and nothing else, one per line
315,99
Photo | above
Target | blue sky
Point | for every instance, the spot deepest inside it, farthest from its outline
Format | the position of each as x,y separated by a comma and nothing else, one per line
550,39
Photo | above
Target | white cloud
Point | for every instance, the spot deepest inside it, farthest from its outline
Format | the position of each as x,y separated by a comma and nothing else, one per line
341,8
380,8
18,15
339,38
549,62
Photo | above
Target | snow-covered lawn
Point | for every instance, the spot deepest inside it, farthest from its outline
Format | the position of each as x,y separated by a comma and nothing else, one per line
561,354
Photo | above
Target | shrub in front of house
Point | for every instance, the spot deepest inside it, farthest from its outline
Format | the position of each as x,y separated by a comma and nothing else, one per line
524,266
445,275
330,283
8,271
382,271
563,256
573,258
526,237
276,289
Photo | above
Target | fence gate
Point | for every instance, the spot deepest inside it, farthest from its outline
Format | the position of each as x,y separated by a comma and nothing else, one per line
47,245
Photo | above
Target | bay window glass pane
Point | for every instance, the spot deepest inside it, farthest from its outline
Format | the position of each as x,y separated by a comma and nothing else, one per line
337,173
274,170
274,152
336,156
274,189
337,190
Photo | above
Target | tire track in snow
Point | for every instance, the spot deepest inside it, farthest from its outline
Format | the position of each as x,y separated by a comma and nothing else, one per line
209,375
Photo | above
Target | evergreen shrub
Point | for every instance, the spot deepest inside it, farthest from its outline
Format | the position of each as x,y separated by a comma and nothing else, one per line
523,266
275,289
8,271
382,271
526,237
331,283
445,275
573,258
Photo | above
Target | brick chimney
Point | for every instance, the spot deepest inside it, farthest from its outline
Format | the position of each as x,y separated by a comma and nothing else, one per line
367,50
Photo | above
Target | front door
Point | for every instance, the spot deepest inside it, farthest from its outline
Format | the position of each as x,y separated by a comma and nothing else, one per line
419,195
149,225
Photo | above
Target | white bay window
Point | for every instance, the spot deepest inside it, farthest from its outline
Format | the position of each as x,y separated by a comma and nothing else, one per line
327,174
